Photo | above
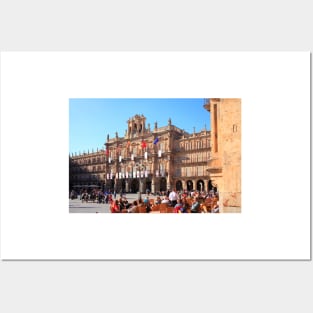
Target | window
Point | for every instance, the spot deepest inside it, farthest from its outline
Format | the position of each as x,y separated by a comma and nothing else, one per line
178,172
200,171
188,171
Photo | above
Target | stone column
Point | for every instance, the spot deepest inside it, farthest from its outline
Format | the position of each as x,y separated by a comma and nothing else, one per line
168,182
126,185
153,185
194,182
156,184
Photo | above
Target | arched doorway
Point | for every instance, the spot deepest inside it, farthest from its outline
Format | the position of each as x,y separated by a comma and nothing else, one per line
179,185
123,185
210,186
111,184
134,185
163,184
189,185
200,185
148,185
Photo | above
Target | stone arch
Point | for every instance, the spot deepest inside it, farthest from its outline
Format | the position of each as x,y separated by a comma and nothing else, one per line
134,185
148,184
200,185
179,185
210,186
123,184
163,184
189,185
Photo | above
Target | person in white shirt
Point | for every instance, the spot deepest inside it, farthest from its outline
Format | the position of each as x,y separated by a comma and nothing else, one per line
173,197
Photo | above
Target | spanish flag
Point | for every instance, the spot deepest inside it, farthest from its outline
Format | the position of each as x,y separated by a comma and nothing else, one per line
143,145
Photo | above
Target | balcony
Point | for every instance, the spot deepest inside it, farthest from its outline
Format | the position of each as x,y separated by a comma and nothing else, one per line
214,166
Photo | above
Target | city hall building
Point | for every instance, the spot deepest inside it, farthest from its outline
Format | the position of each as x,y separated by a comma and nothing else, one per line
163,157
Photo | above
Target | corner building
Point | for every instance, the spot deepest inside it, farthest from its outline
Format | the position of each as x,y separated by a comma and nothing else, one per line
224,164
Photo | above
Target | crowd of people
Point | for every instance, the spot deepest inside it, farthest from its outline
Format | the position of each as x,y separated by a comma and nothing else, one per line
181,201
122,205
94,195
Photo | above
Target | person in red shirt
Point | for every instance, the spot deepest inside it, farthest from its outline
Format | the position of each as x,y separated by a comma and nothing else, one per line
115,208
178,206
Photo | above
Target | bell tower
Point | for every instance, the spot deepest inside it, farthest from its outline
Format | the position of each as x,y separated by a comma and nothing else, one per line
136,126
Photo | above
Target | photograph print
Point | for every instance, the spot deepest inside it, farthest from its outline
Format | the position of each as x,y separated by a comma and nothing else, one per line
155,155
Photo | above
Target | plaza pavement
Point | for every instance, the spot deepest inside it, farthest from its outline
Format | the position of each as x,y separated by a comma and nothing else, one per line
77,206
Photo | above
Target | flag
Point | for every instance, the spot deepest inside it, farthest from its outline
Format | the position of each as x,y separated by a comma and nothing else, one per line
143,145
107,152
156,140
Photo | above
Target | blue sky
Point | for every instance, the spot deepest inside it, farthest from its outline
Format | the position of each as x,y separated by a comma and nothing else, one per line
90,120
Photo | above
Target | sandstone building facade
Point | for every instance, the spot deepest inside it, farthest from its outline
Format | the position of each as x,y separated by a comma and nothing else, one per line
166,157
224,165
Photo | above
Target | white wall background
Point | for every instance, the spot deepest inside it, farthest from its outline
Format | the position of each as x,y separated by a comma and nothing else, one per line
221,285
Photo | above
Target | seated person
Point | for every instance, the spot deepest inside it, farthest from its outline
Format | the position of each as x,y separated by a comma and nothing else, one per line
185,206
133,207
165,200
195,208
178,206
121,204
158,200
216,208
204,208
146,202
115,208
127,204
